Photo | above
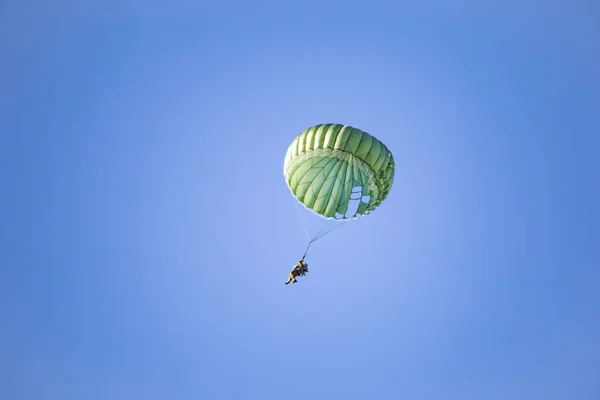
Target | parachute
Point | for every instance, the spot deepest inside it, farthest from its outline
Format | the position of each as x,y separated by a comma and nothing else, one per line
338,172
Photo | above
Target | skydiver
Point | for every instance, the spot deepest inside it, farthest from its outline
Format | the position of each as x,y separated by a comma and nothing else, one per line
299,269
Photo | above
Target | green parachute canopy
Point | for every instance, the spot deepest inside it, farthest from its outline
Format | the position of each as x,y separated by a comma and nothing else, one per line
338,171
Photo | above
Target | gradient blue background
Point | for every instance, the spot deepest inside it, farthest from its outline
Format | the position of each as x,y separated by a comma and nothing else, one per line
147,229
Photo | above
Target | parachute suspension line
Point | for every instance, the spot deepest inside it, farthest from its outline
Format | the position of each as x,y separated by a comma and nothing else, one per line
323,230
306,250
301,219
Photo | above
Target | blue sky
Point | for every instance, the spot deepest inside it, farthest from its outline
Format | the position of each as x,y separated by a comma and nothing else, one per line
148,231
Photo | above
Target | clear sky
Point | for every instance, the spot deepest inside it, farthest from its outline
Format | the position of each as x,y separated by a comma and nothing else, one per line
147,230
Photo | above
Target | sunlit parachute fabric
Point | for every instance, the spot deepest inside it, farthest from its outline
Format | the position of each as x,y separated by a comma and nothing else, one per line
338,171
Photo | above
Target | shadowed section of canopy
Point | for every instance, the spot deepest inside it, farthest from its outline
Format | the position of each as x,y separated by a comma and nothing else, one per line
338,171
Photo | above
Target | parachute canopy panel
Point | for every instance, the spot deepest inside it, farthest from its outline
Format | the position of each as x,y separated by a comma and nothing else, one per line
338,171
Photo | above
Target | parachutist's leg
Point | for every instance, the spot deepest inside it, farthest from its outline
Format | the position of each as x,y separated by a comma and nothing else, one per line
290,278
